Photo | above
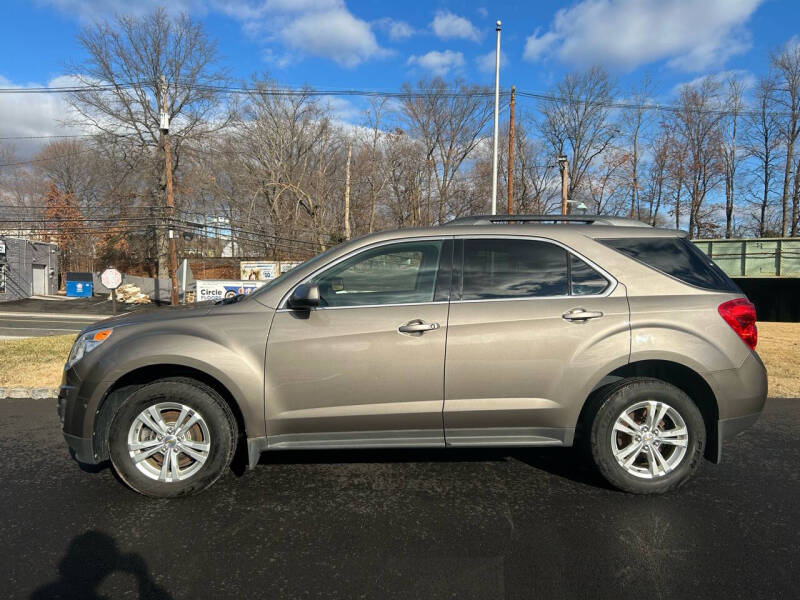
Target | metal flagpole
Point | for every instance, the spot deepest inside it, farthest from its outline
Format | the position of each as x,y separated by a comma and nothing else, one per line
496,117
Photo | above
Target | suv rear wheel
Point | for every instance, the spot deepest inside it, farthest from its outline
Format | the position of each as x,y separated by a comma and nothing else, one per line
172,437
647,436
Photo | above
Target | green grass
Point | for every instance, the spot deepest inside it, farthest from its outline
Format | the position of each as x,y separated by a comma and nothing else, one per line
34,362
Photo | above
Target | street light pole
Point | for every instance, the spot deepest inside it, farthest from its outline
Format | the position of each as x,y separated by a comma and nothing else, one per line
511,152
496,117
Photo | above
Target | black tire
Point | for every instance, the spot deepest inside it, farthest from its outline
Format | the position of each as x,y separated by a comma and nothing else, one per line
624,394
216,414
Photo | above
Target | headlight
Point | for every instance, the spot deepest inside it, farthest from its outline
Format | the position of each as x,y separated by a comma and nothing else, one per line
85,344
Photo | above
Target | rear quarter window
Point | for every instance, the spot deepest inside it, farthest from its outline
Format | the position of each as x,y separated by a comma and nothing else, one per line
676,257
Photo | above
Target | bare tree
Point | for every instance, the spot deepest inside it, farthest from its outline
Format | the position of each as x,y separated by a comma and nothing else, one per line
763,140
730,128
634,122
449,125
787,66
122,74
660,149
577,121
697,125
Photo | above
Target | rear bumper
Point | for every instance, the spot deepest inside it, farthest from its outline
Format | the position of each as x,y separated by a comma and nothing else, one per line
728,429
741,394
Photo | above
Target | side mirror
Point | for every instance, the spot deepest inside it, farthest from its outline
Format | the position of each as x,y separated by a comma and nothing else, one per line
304,297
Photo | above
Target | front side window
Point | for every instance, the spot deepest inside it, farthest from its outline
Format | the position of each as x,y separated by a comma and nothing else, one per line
402,273
506,268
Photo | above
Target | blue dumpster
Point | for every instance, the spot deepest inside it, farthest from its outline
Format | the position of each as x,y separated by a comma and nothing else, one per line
79,285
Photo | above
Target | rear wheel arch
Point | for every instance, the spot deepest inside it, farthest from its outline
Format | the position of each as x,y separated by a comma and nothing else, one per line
692,383
127,384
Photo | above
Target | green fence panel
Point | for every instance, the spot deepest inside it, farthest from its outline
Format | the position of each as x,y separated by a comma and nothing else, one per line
760,257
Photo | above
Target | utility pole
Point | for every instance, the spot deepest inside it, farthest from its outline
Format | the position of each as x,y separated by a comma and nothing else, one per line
347,192
173,254
563,164
496,116
511,151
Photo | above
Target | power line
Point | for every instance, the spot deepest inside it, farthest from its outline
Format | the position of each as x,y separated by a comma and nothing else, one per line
46,137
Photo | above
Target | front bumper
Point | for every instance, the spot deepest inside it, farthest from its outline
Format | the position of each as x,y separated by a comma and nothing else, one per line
82,449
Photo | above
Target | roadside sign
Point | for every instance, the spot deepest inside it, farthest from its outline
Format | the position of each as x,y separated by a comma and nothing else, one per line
219,289
111,278
258,270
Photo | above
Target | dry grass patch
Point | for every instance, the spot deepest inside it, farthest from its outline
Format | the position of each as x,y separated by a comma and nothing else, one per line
779,348
38,362
34,362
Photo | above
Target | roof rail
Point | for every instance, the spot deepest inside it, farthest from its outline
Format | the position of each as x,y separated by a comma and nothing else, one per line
567,219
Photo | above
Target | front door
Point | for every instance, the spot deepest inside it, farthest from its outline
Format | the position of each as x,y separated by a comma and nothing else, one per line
529,325
366,368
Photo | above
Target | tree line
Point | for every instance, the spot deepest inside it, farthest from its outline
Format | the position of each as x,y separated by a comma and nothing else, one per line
264,170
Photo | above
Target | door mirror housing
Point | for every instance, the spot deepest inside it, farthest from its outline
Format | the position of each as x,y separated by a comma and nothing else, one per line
304,297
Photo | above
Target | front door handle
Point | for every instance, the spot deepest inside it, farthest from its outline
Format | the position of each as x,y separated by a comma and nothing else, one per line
580,314
417,326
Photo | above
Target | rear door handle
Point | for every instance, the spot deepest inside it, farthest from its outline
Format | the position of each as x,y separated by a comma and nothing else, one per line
580,314
417,326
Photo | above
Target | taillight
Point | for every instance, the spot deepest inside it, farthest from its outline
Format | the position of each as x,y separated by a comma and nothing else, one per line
740,314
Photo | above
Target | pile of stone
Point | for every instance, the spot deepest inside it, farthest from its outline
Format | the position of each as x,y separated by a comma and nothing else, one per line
130,294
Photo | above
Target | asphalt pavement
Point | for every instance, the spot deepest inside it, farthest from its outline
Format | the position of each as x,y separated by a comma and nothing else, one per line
400,524
55,315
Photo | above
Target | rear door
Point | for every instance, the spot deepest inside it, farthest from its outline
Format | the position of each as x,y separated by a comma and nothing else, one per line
530,323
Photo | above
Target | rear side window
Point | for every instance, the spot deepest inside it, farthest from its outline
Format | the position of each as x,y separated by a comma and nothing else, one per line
507,268
677,257
504,268
584,280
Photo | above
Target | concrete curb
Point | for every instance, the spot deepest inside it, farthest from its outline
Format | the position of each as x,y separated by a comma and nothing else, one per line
25,392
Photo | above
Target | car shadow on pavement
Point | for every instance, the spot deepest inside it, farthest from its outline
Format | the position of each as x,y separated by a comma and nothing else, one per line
91,557
566,463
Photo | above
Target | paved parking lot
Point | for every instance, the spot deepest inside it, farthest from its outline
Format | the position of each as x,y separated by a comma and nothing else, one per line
410,524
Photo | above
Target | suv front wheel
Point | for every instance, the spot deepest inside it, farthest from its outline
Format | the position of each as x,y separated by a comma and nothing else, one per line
172,437
647,436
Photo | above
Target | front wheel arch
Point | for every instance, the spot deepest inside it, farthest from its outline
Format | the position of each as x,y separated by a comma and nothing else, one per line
126,385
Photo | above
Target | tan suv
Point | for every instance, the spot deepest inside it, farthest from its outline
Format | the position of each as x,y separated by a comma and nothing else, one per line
489,331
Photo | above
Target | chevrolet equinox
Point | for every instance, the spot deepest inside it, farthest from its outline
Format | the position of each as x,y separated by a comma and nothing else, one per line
488,331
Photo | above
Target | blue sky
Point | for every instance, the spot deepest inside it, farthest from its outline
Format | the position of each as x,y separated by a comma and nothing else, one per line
380,45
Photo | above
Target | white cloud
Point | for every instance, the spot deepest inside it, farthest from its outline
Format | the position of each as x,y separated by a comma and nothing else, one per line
90,11
396,30
438,63
334,34
322,28
623,34
33,115
482,11
747,79
342,109
447,25
486,62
